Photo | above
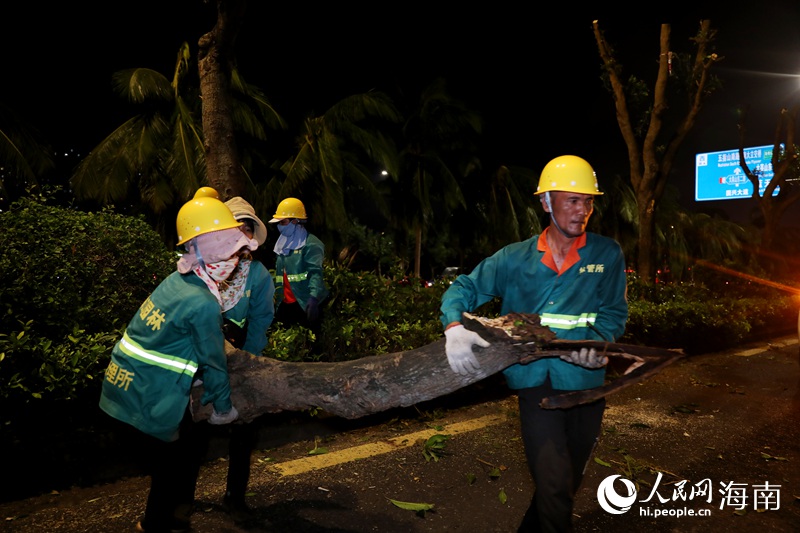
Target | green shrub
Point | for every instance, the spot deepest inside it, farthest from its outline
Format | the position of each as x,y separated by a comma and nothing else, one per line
33,367
293,344
65,269
694,327
72,282
368,314
697,319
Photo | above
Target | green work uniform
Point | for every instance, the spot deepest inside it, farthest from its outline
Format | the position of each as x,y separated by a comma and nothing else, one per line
585,302
177,331
303,268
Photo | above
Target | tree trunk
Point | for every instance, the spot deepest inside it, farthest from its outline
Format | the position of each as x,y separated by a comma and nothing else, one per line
215,58
352,389
646,263
650,158
418,250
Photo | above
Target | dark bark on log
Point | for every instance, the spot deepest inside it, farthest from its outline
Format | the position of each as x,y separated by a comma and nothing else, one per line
352,389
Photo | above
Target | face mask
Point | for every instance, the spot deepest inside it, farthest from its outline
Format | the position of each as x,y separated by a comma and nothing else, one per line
221,270
287,230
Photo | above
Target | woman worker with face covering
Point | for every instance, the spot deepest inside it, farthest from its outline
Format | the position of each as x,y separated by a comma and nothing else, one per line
248,310
299,283
176,333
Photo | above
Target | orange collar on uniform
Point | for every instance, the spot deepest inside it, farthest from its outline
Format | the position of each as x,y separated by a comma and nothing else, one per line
572,255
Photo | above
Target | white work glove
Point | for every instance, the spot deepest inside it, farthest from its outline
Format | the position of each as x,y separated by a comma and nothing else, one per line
218,419
587,358
459,349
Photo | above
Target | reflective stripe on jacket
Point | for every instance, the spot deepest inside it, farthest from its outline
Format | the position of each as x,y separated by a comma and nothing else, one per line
590,292
304,271
176,332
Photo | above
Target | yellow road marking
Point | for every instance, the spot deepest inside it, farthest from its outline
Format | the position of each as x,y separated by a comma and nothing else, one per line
316,462
782,343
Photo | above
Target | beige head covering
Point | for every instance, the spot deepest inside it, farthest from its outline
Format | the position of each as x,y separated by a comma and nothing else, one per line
241,209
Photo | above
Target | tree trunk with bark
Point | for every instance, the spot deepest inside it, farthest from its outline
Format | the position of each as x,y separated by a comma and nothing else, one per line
352,389
652,154
215,58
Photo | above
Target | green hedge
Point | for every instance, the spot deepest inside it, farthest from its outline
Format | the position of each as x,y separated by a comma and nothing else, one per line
72,280
698,319
366,314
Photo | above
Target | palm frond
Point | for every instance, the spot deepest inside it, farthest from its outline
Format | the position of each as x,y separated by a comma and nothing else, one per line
245,94
24,154
141,85
132,149
362,106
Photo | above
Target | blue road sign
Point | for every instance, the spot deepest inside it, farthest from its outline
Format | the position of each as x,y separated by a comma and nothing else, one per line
718,175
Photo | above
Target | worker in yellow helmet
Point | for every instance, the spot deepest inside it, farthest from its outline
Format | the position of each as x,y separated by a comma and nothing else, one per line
175,335
247,312
575,281
299,281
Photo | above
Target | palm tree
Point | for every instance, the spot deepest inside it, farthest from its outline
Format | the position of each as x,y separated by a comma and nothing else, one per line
438,152
255,119
155,160
694,238
500,210
684,239
512,208
785,163
24,156
337,156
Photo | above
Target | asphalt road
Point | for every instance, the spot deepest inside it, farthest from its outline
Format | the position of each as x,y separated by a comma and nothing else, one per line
725,422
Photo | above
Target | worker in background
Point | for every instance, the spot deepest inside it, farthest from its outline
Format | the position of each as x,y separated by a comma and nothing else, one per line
299,283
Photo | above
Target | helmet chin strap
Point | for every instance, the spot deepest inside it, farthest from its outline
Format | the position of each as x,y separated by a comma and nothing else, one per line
198,255
553,217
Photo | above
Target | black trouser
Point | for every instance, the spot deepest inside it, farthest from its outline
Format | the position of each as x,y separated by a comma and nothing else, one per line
170,467
290,314
558,444
242,439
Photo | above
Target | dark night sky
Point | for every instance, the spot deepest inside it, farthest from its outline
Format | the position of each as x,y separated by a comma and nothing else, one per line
531,72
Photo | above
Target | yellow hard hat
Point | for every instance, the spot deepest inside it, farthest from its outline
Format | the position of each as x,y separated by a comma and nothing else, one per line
568,173
203,214
208,192
289,208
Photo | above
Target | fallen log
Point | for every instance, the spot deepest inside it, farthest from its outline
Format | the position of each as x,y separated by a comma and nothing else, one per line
352,389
